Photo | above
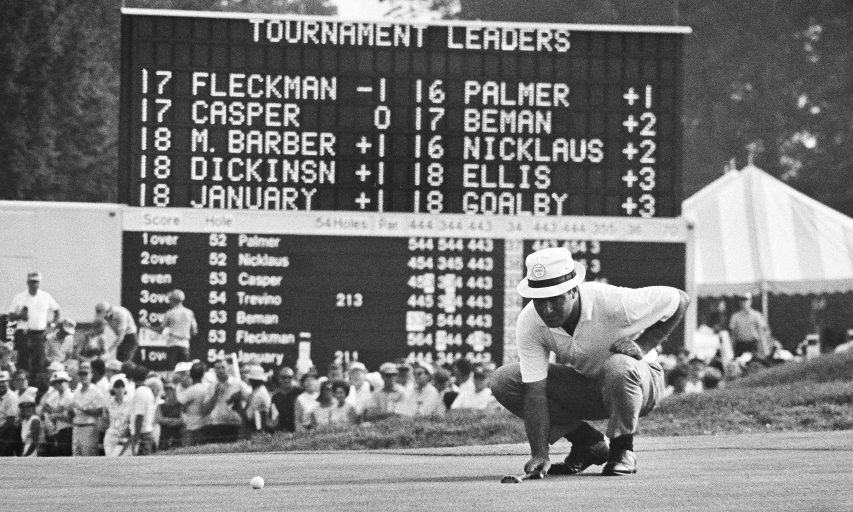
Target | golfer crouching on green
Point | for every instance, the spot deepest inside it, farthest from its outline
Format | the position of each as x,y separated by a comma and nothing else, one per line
604,338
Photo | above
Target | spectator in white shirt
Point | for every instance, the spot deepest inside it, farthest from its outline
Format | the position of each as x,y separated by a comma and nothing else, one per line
360,390
35,310
121,321
142,414
89,404
194,396
424,399
117,436
481,398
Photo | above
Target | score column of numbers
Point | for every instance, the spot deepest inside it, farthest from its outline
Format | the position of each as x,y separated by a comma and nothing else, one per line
217,297
454,296
429,148
154,139
639,151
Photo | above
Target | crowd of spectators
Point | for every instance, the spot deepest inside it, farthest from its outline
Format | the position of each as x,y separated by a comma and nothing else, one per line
96,407
88,397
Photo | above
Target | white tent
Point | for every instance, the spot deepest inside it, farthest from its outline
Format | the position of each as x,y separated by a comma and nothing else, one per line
754,233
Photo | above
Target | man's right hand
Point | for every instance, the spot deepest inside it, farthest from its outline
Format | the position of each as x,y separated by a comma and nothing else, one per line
538,464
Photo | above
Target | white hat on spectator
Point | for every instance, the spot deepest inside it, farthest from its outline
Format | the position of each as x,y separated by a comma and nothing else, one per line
388,369
60,376
356,366
56,366
28,397
113,365
183,366
257,373
4,376
118,378
69,326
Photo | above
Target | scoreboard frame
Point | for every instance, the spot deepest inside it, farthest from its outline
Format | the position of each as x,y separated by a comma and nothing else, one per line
591,179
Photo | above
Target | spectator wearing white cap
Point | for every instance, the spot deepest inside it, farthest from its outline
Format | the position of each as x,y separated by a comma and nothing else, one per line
256,414
32,432
179,326
424,400
57,408
60,343
35,310
360,390
390,399
8,416
89,404
121,321
117,436
195,398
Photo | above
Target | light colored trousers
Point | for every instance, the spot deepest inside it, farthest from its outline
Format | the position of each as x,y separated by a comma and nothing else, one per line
625,390
84,440
115,446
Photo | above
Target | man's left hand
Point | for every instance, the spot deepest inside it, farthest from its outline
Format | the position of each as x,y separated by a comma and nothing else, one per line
628,348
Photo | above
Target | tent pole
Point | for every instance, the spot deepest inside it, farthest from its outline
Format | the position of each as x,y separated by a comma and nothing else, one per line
764,306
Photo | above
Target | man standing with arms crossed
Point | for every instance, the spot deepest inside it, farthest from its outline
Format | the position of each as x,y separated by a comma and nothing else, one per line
605,340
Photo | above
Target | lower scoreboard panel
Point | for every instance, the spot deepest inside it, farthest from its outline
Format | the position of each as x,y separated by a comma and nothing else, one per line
278,288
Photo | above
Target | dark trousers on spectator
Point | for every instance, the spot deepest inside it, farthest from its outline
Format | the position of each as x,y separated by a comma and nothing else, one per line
222,433
127,349
59,444
145,445
178,355
9,441
30,346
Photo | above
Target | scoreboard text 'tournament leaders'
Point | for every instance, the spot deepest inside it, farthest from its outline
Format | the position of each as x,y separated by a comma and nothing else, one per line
271,113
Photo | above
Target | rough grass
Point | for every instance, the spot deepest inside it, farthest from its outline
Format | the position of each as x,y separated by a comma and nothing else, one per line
813,395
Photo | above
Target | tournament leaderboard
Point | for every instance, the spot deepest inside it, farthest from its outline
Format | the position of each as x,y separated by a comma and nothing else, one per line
474,121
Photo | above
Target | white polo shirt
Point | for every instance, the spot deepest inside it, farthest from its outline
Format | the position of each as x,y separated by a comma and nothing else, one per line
608,313
40,308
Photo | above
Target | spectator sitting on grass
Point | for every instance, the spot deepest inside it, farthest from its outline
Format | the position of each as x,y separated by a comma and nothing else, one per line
332,408
390,399
481,398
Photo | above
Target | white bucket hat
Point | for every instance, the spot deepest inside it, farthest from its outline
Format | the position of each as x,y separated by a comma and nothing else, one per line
550,272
